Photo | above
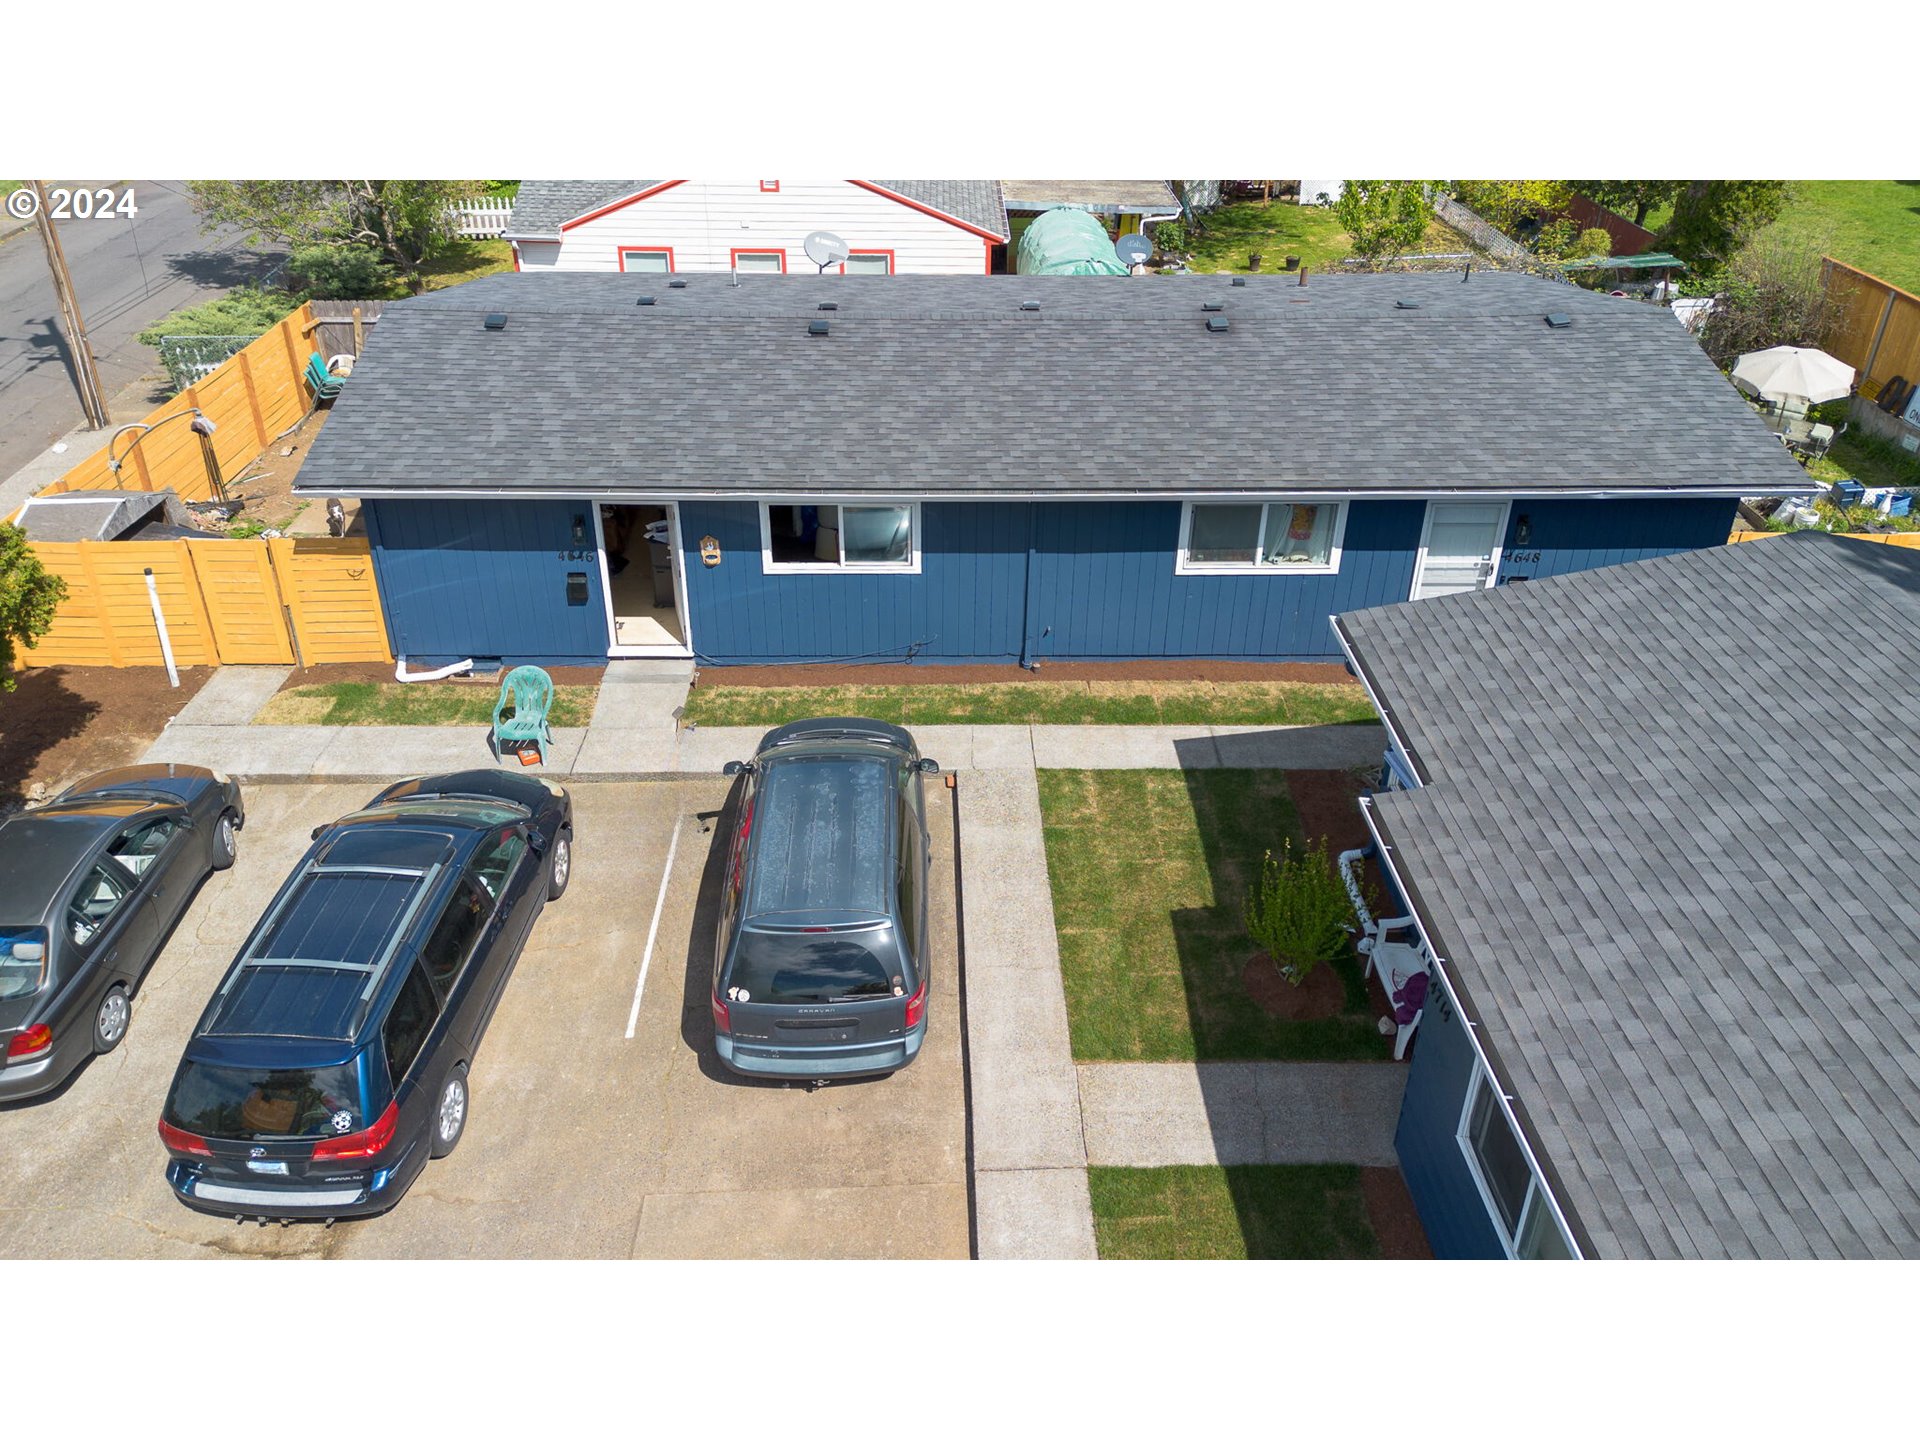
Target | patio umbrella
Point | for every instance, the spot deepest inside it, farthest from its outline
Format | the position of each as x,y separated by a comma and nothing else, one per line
1790,373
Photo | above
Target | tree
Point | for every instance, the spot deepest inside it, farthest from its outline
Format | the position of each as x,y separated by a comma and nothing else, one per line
1384,218
1635,198
1713,218
1772,292
1511,206
29,595
406,222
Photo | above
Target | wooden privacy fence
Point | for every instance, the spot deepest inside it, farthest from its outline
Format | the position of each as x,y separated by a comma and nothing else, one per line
1876,329
337,331
251,398
1908,540
226,602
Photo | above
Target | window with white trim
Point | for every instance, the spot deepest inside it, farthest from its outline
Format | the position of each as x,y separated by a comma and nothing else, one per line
877,262
647,262
1508,1183
1274,537
760,262
840,536
769,187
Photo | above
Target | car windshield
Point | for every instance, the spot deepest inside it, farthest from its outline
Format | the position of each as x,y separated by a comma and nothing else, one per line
227,1103
23,962
783,967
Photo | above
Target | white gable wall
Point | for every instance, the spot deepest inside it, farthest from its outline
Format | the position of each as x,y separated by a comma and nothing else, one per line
703,221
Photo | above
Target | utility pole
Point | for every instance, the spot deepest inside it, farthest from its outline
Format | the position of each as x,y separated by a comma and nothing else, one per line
86,374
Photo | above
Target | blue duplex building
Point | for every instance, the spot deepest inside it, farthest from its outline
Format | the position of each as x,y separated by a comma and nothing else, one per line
575,467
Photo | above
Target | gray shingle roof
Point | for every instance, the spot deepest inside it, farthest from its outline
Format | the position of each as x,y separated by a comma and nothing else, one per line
543,206
1111,197
1694,960
941,384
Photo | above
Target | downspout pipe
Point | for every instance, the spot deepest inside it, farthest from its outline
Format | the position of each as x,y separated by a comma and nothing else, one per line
407,677
1027,662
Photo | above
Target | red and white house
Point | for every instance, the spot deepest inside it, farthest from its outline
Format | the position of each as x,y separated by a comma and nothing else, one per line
892,227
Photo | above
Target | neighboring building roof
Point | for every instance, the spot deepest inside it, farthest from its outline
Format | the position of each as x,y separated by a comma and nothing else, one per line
543,206
94,515
1666,849
1104,197
941,384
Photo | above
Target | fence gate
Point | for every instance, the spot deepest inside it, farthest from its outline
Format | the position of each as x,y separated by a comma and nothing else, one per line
238,587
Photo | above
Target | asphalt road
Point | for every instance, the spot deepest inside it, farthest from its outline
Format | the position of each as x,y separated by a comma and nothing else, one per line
127,272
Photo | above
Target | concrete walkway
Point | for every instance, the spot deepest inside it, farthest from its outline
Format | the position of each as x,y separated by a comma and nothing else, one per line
1241,1113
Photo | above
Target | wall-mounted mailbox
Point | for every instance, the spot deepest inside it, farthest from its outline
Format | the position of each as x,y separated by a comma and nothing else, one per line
576,587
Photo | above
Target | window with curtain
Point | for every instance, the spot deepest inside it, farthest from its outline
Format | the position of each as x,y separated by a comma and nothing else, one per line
1271,537
840,536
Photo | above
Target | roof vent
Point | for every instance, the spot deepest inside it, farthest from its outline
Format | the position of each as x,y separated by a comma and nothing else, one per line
1406,304
495,321
676,284
1238,280
1029,304
644,300
1211,305
816,327
829,304
1218,324
1557,321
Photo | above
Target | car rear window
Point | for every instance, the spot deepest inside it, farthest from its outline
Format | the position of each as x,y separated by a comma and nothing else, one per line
776,967
23,961
228,1103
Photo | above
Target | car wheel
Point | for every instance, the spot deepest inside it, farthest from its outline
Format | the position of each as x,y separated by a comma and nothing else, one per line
226,841
111,1019
560,865
450,1115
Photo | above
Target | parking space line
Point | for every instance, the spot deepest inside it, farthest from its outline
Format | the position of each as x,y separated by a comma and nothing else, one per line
653,930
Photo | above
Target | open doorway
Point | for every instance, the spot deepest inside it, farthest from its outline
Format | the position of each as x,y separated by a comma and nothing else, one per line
640,556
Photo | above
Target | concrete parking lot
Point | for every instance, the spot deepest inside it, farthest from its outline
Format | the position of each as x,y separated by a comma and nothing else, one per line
585,1140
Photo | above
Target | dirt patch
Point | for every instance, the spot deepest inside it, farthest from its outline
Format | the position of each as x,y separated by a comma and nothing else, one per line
265,485
376,672
1221,671
1320,996
65,722
1396,1224
1328,804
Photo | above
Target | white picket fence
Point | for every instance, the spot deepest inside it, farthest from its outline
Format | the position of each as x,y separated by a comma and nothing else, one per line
485,218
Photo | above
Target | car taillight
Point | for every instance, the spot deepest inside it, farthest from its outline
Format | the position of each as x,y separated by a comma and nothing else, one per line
917,1005
722,1022
362,1144
174,1138
30,1042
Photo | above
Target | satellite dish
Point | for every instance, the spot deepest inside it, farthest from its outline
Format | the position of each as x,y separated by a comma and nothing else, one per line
825,248
1133,249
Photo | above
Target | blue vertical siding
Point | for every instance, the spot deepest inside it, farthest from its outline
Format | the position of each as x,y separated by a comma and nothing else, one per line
1570,535
487,578
1427,1140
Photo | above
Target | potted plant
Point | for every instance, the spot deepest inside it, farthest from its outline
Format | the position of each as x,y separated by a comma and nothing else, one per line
1297,910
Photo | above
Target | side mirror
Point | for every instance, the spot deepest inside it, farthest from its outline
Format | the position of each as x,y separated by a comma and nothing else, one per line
927,766
737,767
536,842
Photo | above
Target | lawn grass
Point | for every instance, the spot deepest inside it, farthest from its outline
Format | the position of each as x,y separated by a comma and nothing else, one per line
1873,225
1098,702
461,261
1149,871
1232,232
354,702
1872,462
1236,1212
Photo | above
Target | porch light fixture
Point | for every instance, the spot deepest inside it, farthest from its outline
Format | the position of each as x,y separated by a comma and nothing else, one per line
1523,530
817,327
496,321
579,530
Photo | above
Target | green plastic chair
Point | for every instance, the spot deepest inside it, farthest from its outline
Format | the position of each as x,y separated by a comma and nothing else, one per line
325,383
526,695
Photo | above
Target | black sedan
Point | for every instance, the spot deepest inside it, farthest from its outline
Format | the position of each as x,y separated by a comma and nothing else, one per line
93,884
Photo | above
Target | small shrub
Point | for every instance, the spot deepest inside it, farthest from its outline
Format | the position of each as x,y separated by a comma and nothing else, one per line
246,311
1170,237
1298,910
339,272
30,594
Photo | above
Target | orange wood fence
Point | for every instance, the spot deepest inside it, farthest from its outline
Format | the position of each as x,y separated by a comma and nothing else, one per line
226,602
1909,540
1876,329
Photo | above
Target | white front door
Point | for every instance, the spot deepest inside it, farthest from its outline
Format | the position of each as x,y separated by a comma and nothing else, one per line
1460,547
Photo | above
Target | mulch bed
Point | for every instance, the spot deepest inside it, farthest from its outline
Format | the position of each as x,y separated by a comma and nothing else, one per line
1328,804
1320,996
1214,671
65,722
1396,1224
376,672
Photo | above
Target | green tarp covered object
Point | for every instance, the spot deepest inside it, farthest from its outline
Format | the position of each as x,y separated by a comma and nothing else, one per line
1066,242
